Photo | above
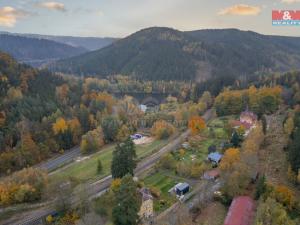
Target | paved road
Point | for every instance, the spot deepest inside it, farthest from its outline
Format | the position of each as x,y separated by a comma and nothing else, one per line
61,160
98,187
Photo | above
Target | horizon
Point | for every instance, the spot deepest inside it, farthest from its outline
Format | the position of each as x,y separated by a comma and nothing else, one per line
98,18
17,33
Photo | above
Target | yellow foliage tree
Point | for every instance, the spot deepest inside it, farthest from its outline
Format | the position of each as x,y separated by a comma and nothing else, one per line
115,184
60,126
284,195
231,156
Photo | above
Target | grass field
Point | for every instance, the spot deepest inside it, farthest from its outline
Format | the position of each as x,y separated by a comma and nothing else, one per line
164,183
86,170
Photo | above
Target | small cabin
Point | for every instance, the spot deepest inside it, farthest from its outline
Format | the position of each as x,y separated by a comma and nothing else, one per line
215,157
181,188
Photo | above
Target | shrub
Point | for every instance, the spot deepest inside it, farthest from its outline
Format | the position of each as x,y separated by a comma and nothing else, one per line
155,192
162,129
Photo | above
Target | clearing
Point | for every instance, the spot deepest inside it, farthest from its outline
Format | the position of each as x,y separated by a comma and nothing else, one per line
86,170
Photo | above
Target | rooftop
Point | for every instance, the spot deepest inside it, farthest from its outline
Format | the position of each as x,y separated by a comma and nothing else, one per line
215,156
181,186
241,211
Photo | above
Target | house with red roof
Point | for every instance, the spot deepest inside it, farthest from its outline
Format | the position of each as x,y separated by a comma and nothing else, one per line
241,211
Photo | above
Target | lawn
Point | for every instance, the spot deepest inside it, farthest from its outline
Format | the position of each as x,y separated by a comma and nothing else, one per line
164,183
86,170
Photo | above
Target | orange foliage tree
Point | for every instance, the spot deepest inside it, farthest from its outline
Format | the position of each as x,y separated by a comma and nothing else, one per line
230,158
196,124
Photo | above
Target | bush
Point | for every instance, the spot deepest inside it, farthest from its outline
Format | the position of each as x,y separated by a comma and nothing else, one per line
167,162
162,129
26,185
155,192
92,141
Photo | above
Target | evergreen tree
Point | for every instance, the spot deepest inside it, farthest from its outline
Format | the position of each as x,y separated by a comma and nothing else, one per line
264,124
99,166
261,187
123,161
294,145
127,204
236,139
294,150
110,126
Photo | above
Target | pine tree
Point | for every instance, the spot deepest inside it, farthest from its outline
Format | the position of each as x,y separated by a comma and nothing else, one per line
294,145
123,161
127,204
99,166
264,124
236,139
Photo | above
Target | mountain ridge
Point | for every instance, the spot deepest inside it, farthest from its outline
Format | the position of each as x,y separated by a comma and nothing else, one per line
166,54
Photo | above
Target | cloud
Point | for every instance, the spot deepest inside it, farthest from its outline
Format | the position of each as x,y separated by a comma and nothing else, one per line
241,9
290,1
10,15
53,6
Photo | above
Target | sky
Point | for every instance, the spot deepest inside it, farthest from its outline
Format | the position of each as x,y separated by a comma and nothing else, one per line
119,18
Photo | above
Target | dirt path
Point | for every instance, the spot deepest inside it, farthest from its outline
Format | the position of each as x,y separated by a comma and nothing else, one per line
272,158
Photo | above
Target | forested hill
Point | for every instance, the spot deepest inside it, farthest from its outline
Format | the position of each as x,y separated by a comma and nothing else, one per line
89,43
36,51
164,53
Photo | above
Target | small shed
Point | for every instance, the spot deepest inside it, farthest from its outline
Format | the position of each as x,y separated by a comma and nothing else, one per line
215,157
182,188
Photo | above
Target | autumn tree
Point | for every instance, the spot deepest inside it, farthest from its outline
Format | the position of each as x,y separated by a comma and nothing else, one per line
123,133
231,156
75,128
63,133
29,151
128,111
206,99
271,212
92,141
283,194
26,185
62,93
196,124
162,129
2,118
